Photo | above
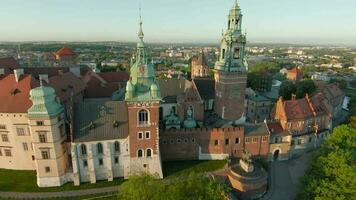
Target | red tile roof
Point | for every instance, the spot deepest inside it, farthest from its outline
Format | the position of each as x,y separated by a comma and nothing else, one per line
65,51
297,109
14,95
294,70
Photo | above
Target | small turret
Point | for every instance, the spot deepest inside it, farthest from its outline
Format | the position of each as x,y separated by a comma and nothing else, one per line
154,90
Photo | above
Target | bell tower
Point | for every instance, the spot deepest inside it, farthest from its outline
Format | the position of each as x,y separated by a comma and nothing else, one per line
231,69
143,100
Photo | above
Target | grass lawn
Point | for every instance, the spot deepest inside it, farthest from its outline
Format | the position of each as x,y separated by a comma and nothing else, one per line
25,181
178,168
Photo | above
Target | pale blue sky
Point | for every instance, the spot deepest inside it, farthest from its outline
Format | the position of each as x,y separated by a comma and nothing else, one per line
302,21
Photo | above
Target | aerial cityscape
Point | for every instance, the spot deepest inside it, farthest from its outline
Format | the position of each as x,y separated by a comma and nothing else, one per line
84,117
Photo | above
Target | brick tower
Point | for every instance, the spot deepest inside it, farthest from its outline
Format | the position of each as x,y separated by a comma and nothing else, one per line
230,70
143,99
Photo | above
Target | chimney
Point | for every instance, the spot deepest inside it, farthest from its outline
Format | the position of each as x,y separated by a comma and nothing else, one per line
2,71
18,73
294,96
44,77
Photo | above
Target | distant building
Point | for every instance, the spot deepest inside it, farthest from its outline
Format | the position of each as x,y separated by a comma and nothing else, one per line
199,66
258,108
7,65
294,74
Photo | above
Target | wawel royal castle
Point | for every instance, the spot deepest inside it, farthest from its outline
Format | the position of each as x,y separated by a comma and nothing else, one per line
74,124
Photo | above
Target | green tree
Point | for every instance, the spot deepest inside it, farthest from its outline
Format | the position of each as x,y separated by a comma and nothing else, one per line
287,89
332,172
188,187
304,87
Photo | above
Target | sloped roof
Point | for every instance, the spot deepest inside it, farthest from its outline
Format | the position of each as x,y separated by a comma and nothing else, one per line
14,96
50,71
206,87
9,64
200,59
65,51
172,87
95,121
275,128
255,129
297,109
66,84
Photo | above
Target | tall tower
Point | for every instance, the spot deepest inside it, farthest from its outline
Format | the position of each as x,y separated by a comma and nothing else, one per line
46,119
143,100
230,69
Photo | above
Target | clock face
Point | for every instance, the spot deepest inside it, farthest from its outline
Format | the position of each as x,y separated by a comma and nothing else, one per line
235,91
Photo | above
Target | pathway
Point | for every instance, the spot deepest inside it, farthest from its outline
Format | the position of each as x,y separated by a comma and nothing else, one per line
46,195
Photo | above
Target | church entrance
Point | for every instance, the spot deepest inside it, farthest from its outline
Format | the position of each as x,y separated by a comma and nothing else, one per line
276,155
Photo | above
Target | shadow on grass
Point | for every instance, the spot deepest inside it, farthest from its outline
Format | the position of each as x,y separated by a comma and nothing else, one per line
178,168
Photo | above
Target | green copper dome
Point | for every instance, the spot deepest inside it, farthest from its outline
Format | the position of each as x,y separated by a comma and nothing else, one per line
44,102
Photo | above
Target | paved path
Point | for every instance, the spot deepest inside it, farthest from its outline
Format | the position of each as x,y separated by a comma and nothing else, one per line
46,195
285,177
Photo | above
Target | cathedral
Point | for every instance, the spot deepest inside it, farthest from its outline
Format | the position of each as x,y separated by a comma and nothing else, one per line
76,125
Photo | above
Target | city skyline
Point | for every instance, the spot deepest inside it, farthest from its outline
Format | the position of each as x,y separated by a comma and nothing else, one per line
300,22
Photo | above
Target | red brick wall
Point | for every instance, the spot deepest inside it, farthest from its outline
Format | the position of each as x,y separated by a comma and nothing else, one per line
256,145
135,143
184,144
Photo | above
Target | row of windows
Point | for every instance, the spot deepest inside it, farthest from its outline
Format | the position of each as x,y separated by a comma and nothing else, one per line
147,135
100,161
5,152
179,140
141,153
99,148
310,139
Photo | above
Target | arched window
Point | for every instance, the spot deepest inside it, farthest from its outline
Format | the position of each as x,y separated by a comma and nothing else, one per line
83,150
117,147
143,117
100,148
139,153
148,153
223,54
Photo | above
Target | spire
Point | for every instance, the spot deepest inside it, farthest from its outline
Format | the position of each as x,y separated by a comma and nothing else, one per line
140,33
236,5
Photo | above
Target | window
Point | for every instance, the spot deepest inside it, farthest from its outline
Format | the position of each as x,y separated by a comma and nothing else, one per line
20,131
292,143
247,140
45,154
186,140
264,138
172,141
237,53
139,153
7,152
143,117
116,160
0,152
223,54
147,135
100,148
42,136
255,140
4,137
25,146
300,141
226,141
276,140
310,139
83,150
47,169
101,162
2,126
39,123
179,140
117,147
237,141
148,153
193,140
216,142
85,163
140,135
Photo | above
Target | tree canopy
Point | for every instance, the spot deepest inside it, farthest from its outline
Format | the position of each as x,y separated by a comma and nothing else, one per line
193,186
287,89
332,172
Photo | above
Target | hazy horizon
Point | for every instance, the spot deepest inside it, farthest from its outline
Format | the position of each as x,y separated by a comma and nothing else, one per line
317,22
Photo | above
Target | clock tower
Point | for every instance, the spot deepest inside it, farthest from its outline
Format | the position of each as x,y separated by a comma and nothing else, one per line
231,69
143,100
